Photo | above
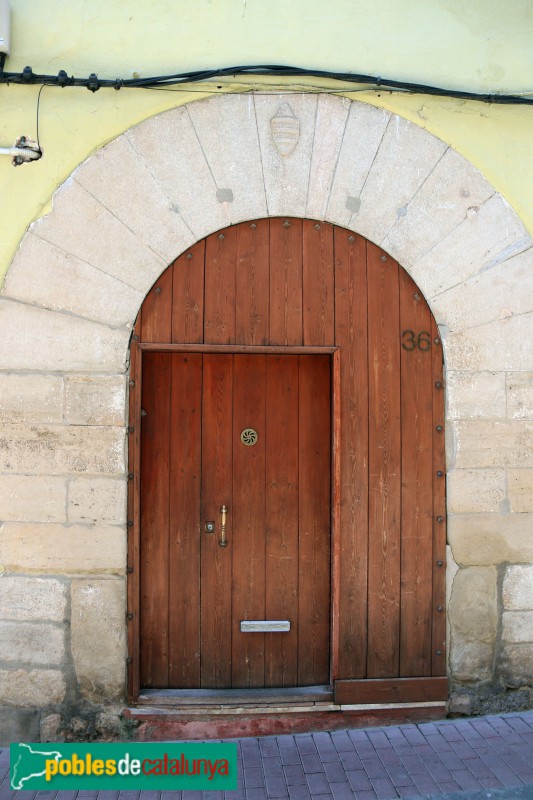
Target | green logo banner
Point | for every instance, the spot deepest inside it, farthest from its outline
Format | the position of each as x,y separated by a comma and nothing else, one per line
161,765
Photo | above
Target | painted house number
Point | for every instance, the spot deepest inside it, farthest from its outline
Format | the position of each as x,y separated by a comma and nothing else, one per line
414,341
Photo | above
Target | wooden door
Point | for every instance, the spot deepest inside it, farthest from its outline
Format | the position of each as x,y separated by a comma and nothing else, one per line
250,433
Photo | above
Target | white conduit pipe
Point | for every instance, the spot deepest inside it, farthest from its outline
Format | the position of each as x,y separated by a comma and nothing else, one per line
24,152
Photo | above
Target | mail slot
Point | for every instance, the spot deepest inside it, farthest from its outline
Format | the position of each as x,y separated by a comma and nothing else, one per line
265,625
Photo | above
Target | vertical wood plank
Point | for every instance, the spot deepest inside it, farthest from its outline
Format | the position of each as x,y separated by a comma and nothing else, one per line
336,491
314,519
134,483
286,313
184,522
352,338
188,296
252,283
156,321
384,466
216,562
439,510
318,292
219,308
248,511
417,481
155,438
281,529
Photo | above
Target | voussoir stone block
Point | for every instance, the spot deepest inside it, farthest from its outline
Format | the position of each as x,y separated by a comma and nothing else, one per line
38,339
32,498
32,599
31,643
62,549
517,593
99,638
34,687
97,500
92,400
520,395
31,398
475,394
485,539
484,443
331,116
520,489
473,621
60,449
501,345
475,490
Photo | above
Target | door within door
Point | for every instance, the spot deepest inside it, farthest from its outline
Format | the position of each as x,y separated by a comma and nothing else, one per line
251,434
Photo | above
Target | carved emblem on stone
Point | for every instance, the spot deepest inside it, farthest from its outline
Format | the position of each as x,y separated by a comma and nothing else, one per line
285,129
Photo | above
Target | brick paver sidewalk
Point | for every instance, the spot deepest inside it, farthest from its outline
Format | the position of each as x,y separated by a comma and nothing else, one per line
488,757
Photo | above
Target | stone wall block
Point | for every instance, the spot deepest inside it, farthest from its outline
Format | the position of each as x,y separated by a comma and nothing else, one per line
31,643
31,398
520,489
498,346
472,395
362,137
95,400
483,443
62,549
517,665
115,175
39,339
473,620
80,225
64,282
517,626
32,498
99,638
97,500
29,688
331,117
286,174
57,450
169,146
485,539
517,591
520,395
231,149
470,491
32,599
485,237
441,204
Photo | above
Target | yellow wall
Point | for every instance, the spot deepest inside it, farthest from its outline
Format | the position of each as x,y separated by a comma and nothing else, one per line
483,46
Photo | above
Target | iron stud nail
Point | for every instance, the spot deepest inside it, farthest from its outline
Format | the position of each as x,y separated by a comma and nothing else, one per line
135,337
440,563
440,519
189,255
129,660
436,340
439,428
129,615
438,385
416,296
130,476
440,473
438,652
440,608
253,226
130,523
132,383
130,429
351,238
158,290
129,570
317,227
383,258
221,236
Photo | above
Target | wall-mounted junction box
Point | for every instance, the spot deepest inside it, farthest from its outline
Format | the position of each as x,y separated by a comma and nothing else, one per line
5,26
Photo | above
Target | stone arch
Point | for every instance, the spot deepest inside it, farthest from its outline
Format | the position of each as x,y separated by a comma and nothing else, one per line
75,286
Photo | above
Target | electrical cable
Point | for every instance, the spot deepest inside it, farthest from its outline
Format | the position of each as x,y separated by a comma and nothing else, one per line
375,83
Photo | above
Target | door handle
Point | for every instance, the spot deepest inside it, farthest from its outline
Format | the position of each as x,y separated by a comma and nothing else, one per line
223,517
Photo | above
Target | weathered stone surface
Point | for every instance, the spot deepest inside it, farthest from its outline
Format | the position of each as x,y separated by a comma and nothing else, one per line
517,591
95,400
231,148
473,395
330,125
57,549
115,175
32,599
32,498
170,148
49,728
53,450
64,282
484,238
473,620
498,346
32,643
480,443
517,626
82,226
31,398
99,638
475,490
18,725
97,500
286,176
485,539
39,339
520,395
36,687
363,133
520,489
517,664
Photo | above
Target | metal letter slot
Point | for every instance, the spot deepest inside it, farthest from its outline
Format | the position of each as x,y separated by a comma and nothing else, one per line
265,625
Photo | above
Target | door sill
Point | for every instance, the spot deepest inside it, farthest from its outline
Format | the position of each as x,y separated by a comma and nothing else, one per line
304,695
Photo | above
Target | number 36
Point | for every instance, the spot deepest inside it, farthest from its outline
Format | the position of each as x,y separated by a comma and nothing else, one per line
412,340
